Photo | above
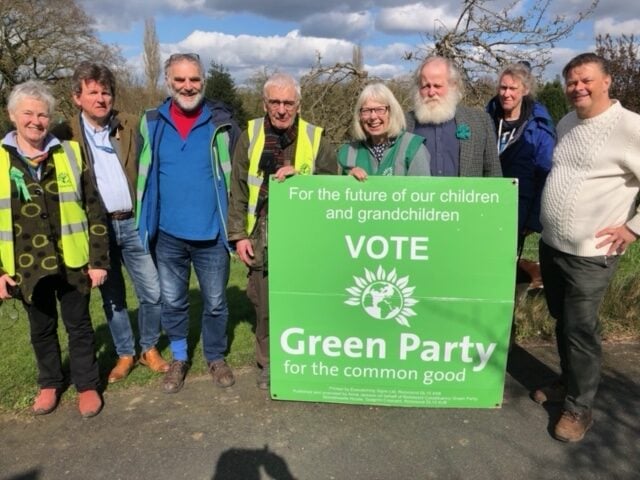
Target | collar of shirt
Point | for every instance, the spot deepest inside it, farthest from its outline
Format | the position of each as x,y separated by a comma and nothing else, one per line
99,138
11,139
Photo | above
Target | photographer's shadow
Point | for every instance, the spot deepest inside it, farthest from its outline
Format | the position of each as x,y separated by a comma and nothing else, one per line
250,464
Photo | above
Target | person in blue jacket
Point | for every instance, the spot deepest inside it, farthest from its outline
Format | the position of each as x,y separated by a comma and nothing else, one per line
181,212
526,138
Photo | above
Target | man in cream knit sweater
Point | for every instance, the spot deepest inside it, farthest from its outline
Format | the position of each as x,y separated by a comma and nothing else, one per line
589,218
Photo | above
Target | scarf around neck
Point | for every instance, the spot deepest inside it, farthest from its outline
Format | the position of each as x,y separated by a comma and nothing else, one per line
275,143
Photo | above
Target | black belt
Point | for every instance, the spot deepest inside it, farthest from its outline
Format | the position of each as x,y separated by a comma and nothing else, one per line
121,215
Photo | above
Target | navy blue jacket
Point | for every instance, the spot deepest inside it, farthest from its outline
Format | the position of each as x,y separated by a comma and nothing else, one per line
528,158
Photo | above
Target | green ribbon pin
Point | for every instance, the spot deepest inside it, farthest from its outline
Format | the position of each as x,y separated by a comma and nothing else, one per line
18,178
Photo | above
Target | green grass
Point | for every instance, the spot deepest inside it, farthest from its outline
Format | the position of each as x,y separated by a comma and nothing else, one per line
620,315
18,371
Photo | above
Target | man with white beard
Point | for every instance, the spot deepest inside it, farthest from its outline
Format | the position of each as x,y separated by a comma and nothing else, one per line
460,140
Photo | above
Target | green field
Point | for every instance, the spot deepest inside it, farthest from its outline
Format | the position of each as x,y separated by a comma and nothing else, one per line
18,368
620,312
620,315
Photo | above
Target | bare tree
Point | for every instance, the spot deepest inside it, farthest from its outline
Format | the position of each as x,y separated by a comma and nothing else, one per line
151,55
623,54
330,94
45,39
484,38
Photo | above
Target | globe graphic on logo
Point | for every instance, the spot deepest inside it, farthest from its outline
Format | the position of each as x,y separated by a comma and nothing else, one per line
382,300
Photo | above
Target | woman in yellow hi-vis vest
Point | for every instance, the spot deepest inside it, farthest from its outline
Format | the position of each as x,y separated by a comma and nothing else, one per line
53,244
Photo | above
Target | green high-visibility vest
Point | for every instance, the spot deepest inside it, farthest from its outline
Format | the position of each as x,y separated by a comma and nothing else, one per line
307,147
74,227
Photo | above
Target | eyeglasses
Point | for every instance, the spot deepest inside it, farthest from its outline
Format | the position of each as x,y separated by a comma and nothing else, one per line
275,104
379,111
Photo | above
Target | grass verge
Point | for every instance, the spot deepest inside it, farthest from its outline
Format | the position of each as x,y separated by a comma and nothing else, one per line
18,370
620,315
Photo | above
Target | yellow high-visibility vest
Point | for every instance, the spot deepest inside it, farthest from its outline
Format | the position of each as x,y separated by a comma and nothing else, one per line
307,147
74,227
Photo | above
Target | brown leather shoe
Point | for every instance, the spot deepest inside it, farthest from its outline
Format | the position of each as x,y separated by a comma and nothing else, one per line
221,374
174,378
46,401
152,359
573,425
89,403
122,369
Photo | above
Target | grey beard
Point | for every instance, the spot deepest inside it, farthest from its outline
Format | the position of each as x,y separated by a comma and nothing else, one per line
192,105
435,112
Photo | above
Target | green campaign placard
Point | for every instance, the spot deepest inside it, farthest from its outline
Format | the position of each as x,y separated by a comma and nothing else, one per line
393,291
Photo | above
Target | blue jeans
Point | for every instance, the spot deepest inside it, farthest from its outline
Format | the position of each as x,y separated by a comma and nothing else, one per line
125,246
211,263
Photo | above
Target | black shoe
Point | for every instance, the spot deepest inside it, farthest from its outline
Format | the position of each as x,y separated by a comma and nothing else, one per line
174,378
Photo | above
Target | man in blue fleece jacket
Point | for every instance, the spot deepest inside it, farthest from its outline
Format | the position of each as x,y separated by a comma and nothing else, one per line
182,197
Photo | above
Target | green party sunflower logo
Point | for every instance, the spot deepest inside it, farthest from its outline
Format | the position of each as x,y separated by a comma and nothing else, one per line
383,296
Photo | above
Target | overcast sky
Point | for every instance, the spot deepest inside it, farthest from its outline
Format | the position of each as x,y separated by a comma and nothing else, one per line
249,35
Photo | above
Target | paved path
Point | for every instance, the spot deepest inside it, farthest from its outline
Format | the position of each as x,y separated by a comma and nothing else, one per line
240,434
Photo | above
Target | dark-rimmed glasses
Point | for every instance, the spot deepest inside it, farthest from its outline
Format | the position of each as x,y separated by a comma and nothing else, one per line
379,111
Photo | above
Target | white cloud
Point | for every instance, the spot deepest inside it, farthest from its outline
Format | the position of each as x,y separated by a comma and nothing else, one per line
392,53
244,55
329,28
298,10
248,53
120,16
338,24
560,56
385,70
414,18
615,28
620,9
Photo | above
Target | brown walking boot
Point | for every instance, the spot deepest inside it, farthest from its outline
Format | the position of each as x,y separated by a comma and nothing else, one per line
174,378
221,374
121,370
152,359
573,425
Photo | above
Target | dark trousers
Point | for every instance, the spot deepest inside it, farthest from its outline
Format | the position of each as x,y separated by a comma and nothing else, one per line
43,320
258,293
574,288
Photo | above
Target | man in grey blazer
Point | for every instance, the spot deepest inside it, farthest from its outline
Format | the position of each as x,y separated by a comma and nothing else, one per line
460,140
